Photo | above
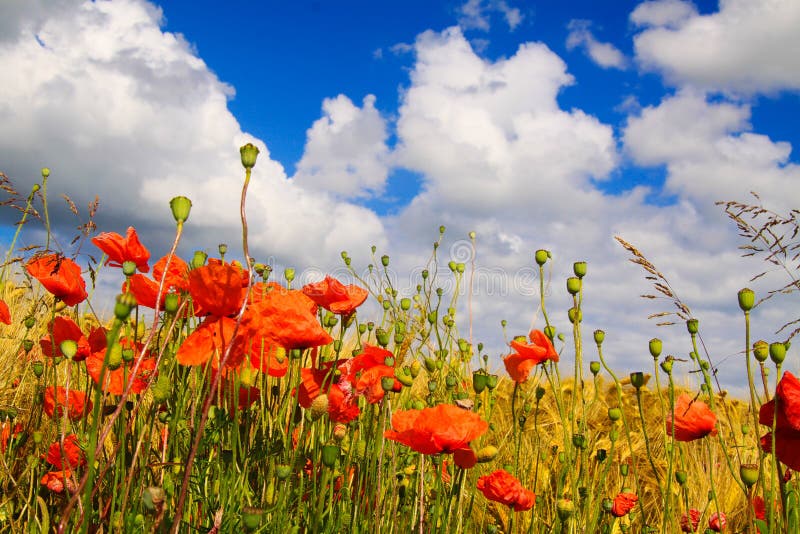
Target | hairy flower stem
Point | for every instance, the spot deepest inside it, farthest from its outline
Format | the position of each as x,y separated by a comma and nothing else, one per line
223,361
647,441
20,224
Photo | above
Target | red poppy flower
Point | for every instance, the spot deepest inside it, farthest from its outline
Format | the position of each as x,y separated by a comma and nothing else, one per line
693,419
209,341
5,313
71,455
503,487
336,297
60,276
787,421
145,289
55,400
286,317
216,289
121,249
64,329
117,379
367,371
465,457
623,503
759,507
56,481
341,403
690,522
7,432
528,355
717,522
443,428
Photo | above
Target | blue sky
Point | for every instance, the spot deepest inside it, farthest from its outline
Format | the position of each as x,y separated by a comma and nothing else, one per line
540,124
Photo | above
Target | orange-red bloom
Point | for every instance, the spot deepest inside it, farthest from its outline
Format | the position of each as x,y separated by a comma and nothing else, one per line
367,371
336,297
690,522
717,522
5,313
58,480
117,379
503,487
60,276
7,432
341,402
64,329
529,355
442,429
209,341
71,455
787,421
145,289
56,399
217,289
693,419
121,249
623,503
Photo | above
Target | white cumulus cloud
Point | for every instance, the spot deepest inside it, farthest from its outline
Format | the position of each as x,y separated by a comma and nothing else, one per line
606,55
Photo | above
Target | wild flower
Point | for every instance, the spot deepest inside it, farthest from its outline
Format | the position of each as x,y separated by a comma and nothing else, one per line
442,429
690,521
66,455
5,313
503,487
60,276
693,419
121,249
56,400
336,297
64,329
623,503
787,421
119,374
528,355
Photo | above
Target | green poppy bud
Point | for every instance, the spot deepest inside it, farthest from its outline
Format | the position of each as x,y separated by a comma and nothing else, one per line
573,285
655,347
29,322
579,268
180,206
615,414
747,299
124,305
749,474
693,325
777,352
283,472
541,257
385,260
575,315
594,367
405,304
666,365
479,381
681,477
45,172
199,259
38,368
387,383
249,154
761,350
565,509
637,379
599,337
623,469
129,268
251,517
491,383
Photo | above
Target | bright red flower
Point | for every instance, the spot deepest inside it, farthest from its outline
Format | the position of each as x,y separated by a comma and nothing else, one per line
759,507
64,329
117,379
56,481
341,402
693,419
623,503
443,428
209,341
367,371
55,400
529,355
503,487
121,249
717,522
70,456
7,432
145,289
5,313
283,316
336,297
217,289
690,522
787,421
465,457
60,276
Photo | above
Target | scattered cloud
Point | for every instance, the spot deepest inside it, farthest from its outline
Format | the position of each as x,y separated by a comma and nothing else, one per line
665,13
475,14
746,47
346,152
606,55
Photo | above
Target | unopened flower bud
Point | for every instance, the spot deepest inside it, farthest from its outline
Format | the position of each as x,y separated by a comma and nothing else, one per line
761,350
124,305
615,414
777,352
655,348
599,337
180,206
541,257
747,299
573,285
199,259
693,325
594,367
319,406
249,153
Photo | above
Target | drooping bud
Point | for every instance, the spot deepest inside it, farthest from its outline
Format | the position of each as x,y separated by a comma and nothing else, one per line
330,453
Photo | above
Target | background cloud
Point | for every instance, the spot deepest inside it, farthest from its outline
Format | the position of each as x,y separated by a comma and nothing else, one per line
605,55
